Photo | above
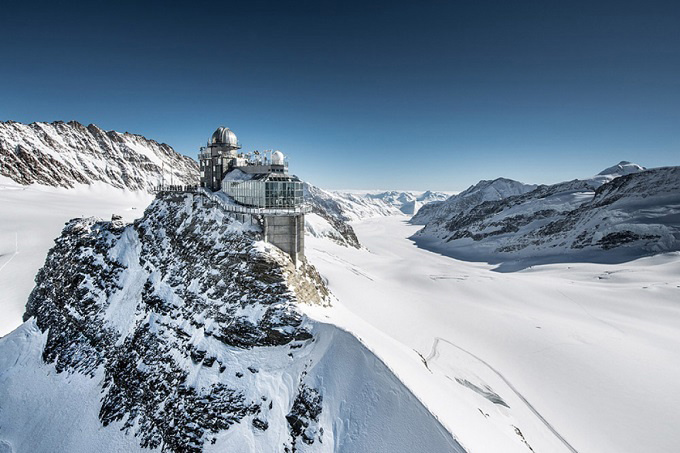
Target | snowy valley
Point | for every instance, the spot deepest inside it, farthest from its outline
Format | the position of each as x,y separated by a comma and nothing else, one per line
333,210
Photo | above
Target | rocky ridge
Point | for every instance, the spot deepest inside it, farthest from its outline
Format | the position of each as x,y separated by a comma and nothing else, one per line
486,190
64,154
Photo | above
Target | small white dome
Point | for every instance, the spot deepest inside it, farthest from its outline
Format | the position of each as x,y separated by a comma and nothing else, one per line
224,136
277,158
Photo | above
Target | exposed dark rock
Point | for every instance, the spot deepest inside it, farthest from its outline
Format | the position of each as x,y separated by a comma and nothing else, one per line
330,210
620,238
303,418
262,425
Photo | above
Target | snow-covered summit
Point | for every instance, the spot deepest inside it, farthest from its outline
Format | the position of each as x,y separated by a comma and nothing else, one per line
485,190
622,168
63,154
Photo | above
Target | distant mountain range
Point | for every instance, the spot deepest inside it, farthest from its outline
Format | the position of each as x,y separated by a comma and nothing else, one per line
503,219
332,210
625,208
63,154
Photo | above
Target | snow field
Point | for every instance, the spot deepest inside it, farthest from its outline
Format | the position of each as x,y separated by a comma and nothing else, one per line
587,350
31,217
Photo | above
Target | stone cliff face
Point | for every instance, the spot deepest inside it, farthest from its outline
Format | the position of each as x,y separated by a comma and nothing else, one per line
65,154
182,332
327,207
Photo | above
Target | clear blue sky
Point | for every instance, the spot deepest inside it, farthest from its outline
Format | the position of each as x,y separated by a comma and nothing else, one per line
409,95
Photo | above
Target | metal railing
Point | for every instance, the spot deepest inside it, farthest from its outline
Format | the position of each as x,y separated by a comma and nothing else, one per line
302,209
249,159
175,188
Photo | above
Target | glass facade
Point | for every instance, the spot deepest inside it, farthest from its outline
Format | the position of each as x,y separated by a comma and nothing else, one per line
265,194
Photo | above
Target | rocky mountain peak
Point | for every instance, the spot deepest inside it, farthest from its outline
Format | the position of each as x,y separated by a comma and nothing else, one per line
627,208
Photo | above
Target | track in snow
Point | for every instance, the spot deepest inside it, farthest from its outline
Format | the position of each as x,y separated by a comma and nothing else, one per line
434,353
16,250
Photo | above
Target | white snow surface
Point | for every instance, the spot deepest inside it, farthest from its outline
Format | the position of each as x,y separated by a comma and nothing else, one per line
584,351
31,217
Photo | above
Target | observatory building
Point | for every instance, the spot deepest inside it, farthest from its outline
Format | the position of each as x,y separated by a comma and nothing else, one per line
260,186
216,157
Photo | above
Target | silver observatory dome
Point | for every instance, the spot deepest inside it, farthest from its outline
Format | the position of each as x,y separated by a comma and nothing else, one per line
224,136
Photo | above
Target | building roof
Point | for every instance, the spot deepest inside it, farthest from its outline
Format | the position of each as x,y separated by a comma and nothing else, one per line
237,175
224,136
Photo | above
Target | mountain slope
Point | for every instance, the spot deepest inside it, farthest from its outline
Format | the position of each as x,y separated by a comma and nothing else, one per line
624,216
438,212
182,333
328,218
32,216
65,154
333,210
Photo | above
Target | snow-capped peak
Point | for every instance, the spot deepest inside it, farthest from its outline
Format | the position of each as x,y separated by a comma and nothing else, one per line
485,190
497,189
622,168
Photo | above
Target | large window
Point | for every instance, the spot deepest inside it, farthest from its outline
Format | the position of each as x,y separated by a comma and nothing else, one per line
265,194
283,194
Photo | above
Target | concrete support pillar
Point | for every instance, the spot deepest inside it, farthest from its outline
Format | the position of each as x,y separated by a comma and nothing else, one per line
287,233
